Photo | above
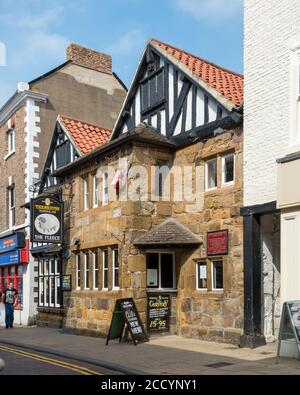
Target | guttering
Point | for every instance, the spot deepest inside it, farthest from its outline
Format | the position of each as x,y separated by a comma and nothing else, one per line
15,102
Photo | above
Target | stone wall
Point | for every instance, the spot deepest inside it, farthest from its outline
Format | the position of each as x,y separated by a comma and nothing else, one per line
207,315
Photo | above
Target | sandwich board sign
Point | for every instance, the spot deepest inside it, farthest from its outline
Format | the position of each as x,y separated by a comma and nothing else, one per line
126,313
289,334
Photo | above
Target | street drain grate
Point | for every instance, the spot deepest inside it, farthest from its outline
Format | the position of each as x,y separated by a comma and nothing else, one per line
219,365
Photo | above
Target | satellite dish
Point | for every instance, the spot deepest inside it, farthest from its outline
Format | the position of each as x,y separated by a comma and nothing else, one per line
67,254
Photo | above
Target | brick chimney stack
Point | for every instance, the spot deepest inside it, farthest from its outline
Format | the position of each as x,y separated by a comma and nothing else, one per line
88,58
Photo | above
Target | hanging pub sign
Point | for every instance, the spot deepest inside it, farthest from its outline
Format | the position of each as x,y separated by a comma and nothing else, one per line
47,220
66,283
289,334
217,243
159,311
126,313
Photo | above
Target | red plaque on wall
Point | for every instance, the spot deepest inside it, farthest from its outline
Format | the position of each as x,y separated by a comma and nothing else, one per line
217,243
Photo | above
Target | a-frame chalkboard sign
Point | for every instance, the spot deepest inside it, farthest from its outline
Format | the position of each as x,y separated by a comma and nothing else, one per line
126,313
289,334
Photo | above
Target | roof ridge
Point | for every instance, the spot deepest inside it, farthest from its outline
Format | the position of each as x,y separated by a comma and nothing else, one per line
86,122
198,57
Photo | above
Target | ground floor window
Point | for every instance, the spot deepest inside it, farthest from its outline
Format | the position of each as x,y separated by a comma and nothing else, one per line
13,274
116,269
209,275
161,270
96,270
49,282
105,269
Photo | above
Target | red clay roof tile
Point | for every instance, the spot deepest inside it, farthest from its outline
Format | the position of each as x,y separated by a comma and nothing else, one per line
226,82
86,136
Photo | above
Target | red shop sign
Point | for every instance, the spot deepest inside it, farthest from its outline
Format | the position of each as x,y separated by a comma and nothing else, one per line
217,243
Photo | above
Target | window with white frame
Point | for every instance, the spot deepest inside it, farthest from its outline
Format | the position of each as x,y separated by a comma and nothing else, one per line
11,140
105,269
217,275
96,270
86,271
116,269
105,189
11,206
161,270
95,191
201,276
228,165
78,272
85,194
49,283
211,174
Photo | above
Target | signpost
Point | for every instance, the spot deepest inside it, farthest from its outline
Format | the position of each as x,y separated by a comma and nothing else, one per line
47,220
289,334
66,285
159,311
217,243
126,313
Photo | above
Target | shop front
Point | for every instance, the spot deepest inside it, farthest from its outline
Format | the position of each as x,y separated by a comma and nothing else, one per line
14,259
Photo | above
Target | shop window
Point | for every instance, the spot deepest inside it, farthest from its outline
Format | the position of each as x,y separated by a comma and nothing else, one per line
211,174
11,206
105,269
217,275
96,271
86,205
228,169
49,283
95,191
78,272
201,271
161,271
86,271
116,269
13,274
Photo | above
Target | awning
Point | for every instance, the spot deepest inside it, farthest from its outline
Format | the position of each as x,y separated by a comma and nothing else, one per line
170,233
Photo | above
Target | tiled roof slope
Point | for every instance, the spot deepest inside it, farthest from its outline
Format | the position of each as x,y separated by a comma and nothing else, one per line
86,136
170,232
226,82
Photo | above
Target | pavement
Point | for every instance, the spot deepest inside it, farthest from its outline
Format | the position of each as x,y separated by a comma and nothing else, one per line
162,355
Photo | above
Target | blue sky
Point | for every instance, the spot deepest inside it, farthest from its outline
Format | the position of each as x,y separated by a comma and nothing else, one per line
36,32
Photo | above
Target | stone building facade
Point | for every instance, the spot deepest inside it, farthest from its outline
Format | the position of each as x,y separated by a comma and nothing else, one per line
83,86
206,314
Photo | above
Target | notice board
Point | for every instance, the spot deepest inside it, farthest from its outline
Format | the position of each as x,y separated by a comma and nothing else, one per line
126,313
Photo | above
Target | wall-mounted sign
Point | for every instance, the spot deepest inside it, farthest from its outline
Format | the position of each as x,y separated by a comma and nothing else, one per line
126,313
66,285
12,243
289,333
217,243
47,220
15,257
159,312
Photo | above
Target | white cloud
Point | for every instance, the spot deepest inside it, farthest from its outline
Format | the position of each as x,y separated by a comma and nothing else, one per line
210,9
127,43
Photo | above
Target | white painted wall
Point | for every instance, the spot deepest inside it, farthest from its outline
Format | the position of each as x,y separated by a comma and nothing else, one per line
271,29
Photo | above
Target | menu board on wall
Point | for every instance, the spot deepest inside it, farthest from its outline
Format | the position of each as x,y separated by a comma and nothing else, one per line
158,313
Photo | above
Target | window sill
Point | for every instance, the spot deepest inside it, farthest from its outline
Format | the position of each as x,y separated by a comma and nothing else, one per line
155,290
9,155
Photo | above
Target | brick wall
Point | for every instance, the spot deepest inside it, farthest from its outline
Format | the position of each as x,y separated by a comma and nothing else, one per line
269,27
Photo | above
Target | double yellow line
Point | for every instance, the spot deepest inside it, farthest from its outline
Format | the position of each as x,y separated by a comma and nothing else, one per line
75,368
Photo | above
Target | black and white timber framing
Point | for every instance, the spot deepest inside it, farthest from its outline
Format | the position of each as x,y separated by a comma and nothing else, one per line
168,97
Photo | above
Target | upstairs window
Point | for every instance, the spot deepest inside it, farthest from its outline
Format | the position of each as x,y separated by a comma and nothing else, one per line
105,189
95,192
153,90
211,174
85,194
228,169
11,207
11,136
